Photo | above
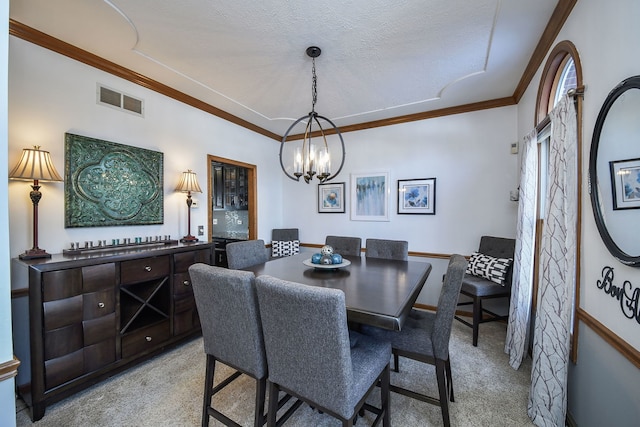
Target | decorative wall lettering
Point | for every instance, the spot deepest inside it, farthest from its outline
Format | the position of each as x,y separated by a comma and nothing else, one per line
627,295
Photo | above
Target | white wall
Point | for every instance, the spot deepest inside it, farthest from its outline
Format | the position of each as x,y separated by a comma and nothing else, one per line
604,388
7,395
51,94
468,154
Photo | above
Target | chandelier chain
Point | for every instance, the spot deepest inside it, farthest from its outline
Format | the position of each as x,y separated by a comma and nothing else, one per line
314,86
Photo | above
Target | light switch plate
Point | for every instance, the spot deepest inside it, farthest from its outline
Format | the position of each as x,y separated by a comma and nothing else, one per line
514,148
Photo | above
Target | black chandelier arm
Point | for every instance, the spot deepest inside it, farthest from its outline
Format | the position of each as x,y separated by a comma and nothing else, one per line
284,140
337,131
313,116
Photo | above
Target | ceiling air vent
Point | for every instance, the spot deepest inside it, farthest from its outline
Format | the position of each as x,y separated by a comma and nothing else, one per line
115,99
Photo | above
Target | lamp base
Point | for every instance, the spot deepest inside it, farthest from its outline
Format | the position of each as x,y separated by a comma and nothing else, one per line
34,253
189,239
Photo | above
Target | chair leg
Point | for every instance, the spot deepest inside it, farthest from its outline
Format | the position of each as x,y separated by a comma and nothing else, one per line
208,389
477,317
261,392
396,362
274,392
442,390
385,396
449,380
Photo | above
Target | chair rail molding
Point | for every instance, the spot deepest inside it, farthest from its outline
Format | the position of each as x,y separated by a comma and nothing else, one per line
9,369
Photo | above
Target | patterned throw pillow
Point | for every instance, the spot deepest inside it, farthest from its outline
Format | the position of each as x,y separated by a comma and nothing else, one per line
285,247
488,267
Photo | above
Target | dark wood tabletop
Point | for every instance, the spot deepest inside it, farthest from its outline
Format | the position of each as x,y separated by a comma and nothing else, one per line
378,292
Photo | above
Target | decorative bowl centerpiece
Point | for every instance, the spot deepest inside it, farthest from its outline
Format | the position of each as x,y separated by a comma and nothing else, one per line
326,259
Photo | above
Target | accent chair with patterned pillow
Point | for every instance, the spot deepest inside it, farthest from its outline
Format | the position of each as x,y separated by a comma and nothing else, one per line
488,276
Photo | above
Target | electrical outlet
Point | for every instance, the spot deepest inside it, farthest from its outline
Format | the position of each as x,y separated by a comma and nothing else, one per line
201,230
194,203
215,221
239,222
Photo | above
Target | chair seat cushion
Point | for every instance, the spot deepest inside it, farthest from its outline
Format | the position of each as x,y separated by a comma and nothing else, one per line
481,287
369,357
415,336
488,267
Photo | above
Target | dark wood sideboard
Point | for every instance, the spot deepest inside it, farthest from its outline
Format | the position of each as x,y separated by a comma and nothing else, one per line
81,319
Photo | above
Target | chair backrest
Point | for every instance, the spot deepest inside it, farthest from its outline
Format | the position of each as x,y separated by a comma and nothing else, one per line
228,308
344,245
387,249
285,234
447,306
246,253
307,340
499,247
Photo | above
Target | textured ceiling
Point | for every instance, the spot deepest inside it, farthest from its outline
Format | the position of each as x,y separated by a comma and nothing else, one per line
380,59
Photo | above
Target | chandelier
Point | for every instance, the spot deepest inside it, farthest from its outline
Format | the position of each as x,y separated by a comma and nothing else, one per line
311,158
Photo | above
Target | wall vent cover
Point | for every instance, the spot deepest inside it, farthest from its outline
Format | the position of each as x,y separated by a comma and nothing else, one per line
113,98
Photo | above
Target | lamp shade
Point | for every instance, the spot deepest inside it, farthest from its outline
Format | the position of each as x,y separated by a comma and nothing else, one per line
188,182
35,164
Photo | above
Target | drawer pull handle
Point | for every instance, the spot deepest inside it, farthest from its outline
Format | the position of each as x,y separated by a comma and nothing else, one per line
186,283
101,304
147,268
148,338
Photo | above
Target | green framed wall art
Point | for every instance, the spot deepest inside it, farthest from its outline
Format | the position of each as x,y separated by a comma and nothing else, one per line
111,184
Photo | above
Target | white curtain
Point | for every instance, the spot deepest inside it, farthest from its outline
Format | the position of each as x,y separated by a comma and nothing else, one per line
548,395
520,307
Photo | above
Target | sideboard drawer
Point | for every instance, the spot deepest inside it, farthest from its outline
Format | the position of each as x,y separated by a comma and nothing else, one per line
145,338
139,270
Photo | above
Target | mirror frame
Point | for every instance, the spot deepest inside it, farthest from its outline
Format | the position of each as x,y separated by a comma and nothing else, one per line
614,249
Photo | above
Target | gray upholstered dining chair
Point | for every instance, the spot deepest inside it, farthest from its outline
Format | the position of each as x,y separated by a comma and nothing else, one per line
425,337
246,253
387,249
231,330
344,245
489,276
313,356
232,334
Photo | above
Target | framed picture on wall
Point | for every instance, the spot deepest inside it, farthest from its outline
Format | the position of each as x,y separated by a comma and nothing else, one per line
625,183
370,196
331,198
417,196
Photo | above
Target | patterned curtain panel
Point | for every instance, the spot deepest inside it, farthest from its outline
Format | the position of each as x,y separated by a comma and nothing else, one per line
548,396
520,308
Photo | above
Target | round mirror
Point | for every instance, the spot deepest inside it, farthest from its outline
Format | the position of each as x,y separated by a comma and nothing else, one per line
614,172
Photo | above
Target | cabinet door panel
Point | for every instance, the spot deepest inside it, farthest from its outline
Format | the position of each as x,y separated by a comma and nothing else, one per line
145,339
98,304
99,329
59,342
63,369
96,277
98,355
62,312
182,284
61,284
185,321
140,270
182,260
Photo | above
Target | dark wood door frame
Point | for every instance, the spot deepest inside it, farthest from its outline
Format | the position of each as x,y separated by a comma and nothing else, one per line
252,178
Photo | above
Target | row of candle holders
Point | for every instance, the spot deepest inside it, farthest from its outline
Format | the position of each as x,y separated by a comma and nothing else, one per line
76,248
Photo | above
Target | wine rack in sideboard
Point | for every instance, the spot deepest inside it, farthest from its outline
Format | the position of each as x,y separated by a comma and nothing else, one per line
89,316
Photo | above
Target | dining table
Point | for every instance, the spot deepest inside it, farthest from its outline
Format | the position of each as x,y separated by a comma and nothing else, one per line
378,292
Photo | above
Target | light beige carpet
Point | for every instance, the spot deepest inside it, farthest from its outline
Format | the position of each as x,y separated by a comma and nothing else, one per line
167,391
